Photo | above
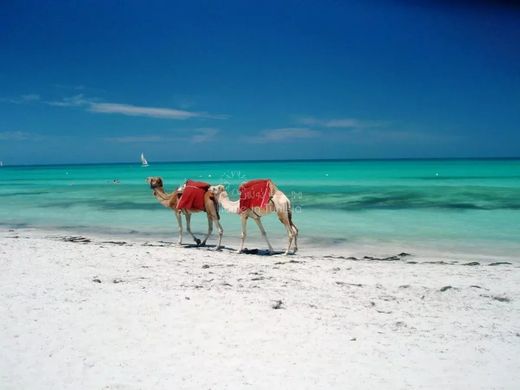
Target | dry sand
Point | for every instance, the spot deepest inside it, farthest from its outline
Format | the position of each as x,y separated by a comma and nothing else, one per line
134,315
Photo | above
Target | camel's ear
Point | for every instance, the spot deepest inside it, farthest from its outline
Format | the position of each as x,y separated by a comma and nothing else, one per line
159,182
155,182
216,189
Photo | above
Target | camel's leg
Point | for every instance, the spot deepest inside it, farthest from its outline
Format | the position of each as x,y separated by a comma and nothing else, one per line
210,229
264,234
243,234
283,217
220,233
179,224
290,234
295,230
188,227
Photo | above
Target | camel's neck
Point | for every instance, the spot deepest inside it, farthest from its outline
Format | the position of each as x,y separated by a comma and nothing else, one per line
162,196
229,205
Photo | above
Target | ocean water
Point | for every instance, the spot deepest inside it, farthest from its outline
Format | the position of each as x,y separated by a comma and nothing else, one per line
419,206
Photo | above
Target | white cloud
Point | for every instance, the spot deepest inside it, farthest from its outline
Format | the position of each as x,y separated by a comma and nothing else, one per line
408,136
283,134
205,135
198,136
153,112
22,99
71,87
137,139
347,123
14,136
30,97
130,110
72,101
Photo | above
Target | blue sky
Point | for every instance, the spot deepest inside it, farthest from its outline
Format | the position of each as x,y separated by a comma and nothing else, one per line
101,81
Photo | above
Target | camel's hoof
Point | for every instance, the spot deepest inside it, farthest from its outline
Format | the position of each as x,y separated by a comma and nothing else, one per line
197,241
238,251
203,243
218,248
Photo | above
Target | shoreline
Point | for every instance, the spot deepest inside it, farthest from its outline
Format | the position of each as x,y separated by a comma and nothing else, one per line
115,315
307,246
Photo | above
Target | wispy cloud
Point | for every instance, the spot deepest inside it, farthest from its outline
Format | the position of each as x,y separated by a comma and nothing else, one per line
71,87
97,106
14,136
22,136
204,135
360,132
129,109
30,97
403,137
137,139
195,136
72,101
347,123
283,134
22,99
153,112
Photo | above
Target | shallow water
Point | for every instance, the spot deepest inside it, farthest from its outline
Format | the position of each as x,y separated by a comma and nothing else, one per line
450,205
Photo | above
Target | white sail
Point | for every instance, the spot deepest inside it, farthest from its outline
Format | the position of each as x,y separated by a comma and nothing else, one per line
144,163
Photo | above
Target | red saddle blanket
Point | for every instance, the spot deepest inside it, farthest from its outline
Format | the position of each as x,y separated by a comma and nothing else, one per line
255,193
192,197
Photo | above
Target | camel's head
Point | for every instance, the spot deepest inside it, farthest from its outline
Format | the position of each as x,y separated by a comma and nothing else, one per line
155,182
217,190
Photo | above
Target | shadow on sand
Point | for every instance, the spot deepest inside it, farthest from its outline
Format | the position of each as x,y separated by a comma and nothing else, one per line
246,251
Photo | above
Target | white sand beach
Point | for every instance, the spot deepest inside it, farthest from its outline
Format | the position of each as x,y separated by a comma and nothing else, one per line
89,314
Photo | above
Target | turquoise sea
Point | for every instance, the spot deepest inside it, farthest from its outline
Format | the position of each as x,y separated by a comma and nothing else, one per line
455,206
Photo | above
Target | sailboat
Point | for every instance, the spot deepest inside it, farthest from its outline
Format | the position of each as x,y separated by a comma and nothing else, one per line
144,163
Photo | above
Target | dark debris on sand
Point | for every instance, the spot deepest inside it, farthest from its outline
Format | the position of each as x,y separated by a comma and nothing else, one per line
497,298
158,243
398,257
288,262
78,239
120,243
340,283
278,304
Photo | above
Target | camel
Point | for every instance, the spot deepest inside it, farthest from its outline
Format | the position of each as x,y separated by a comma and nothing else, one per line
171,200
278,203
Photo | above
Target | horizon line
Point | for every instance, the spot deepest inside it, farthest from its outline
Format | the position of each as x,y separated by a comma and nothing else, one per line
268,161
